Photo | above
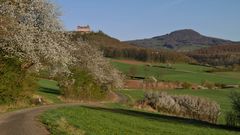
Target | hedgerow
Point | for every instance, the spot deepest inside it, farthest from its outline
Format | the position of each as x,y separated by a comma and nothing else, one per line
183,106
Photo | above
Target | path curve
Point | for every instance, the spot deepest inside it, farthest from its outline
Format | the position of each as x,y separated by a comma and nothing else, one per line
25,122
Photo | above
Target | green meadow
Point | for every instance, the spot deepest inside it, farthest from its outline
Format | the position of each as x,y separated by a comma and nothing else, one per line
180,72
122,119
49,89
113,121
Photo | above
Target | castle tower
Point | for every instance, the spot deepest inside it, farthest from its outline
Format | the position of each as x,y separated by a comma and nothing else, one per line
84,29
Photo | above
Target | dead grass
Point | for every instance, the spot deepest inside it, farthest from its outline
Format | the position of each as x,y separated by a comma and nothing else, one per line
19,105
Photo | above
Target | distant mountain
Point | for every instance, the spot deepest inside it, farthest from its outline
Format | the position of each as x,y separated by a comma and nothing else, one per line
181,40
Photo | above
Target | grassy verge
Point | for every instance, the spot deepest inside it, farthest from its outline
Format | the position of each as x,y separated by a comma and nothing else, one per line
108,121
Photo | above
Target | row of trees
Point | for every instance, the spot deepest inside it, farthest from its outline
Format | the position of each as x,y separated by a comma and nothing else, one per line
143,54
218,55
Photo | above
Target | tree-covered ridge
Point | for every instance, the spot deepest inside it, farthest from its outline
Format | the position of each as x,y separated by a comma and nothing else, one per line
114,48
218,55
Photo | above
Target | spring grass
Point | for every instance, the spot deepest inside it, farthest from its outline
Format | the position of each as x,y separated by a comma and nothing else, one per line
108,121
49,89
118,119
180,72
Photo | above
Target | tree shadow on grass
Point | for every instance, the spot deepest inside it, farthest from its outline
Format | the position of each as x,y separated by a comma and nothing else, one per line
49,90
165,118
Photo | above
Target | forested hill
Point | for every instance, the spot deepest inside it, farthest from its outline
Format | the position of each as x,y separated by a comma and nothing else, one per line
114,48
181,40
101,40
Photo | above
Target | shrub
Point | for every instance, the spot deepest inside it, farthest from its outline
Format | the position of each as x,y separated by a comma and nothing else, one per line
187,85
208,84
235,98
220,85
184,106
233,118
81,86
15,83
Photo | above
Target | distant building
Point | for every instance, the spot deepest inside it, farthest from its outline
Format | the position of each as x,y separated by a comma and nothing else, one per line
84,29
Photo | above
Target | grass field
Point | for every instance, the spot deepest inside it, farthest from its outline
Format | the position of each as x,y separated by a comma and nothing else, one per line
181,72
107,121
230,74
49,89
121,119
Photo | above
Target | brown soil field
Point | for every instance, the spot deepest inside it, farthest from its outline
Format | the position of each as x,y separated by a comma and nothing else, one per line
140,84
132,62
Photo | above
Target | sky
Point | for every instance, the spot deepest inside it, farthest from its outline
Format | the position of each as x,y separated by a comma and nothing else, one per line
137,19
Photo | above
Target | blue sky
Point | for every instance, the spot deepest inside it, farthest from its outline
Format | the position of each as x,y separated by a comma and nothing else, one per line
136,19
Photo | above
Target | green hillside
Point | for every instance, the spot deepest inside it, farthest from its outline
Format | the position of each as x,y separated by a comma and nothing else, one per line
110,121
179,72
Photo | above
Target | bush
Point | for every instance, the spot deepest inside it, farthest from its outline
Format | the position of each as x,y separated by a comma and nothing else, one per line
220,85
81,86
184,106
187,85
15,83
235,97
208,84
233,118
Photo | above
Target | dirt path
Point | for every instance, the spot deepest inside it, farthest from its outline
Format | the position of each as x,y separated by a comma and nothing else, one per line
25,122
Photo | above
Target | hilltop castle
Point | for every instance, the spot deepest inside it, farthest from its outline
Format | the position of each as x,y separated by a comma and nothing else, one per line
84,29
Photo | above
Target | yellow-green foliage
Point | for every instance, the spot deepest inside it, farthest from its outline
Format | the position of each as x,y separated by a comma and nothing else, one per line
208,84
233,117
186,85
15,83
81,86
